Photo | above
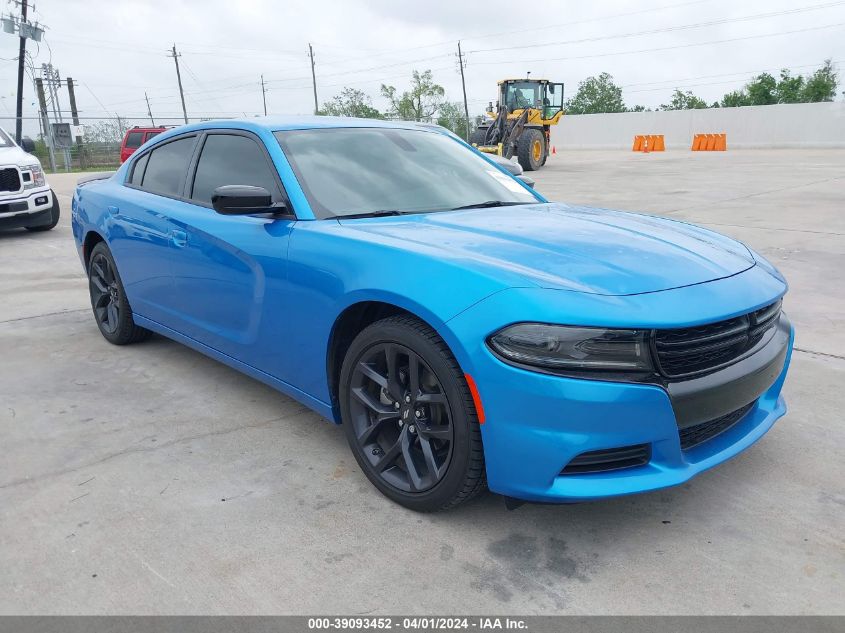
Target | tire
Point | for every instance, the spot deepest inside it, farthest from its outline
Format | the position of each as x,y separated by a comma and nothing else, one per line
531,148
437,429
55,212
478,136
546,152
108,300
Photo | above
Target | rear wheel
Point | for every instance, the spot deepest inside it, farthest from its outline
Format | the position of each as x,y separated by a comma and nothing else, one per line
531,149
108,300
54,217
409,416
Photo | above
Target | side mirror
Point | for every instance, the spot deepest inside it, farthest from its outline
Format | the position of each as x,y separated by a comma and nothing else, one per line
243,200
27,145
528,181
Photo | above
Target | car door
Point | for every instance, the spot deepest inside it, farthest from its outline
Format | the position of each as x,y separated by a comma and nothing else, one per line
141,236
229,271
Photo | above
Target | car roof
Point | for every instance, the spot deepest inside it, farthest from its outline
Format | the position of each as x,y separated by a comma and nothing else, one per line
281,123
264,124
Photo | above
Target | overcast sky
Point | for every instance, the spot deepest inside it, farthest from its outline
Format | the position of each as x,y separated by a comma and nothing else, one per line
116,49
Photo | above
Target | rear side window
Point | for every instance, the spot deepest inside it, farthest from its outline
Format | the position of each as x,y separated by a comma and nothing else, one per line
134,139
227,159
138,170
151,134
167,167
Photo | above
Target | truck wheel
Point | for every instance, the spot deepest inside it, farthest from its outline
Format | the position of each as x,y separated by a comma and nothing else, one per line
531,148
54,217
478,137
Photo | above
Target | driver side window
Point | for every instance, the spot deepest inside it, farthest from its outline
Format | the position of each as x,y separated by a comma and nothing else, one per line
229,159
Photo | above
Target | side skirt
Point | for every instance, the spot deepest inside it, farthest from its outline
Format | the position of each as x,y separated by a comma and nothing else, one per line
316,405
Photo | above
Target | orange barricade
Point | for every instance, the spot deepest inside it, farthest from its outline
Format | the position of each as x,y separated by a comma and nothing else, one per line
649,143
709,142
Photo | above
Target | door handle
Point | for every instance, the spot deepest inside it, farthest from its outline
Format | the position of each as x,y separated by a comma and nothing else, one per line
114,210
179,238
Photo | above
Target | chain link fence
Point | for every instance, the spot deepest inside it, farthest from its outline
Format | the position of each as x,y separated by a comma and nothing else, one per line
98,149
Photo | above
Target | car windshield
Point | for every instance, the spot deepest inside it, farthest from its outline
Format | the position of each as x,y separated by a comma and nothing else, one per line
372,171
5,141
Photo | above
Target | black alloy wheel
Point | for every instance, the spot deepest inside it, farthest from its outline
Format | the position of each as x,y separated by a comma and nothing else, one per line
401,417
105,295
108,300
409,416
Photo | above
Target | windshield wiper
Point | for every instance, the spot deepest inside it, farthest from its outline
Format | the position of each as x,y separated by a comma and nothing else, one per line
371,214
488,203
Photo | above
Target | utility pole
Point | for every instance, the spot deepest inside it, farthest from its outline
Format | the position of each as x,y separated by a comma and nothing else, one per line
48,131
74,113
175,57
149,111
464,86
313,78
21,56
264,95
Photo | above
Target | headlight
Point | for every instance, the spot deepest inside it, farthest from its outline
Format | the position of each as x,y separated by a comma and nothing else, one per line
38,179
571,349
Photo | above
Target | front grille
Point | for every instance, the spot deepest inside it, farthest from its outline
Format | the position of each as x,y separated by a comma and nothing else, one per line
695,435
10,179
689,351
609,459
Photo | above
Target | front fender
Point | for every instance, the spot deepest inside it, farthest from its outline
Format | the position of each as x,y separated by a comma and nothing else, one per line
331,270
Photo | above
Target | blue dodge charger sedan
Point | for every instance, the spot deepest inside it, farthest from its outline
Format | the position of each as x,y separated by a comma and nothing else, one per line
465,331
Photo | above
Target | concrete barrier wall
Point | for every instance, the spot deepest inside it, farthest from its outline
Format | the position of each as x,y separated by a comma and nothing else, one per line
804,125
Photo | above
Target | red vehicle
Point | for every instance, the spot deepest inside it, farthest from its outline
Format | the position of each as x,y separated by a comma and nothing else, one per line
136,137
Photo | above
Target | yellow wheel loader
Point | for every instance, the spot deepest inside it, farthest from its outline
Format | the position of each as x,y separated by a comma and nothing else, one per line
519,126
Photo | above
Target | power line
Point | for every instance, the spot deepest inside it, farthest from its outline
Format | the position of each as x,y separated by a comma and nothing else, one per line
588,20
668,29
741,73
667,48
679,86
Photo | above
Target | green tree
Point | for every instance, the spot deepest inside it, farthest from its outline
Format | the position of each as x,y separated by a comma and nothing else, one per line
596,95
420,103
451,116
762,90
735,99
789,88
684,101
822,84
765,89
351,102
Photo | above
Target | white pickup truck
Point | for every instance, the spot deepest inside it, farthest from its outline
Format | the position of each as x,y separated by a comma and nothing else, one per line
26,199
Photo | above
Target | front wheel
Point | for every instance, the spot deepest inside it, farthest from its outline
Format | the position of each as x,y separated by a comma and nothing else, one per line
531,149
409,416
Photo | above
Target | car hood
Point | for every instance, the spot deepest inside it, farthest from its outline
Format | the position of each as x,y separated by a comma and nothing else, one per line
566,247
16,156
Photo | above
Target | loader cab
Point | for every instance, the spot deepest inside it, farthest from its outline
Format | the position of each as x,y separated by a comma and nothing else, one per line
536,94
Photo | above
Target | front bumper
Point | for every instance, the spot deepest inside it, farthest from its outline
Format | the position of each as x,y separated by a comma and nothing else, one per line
21,210
537,423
